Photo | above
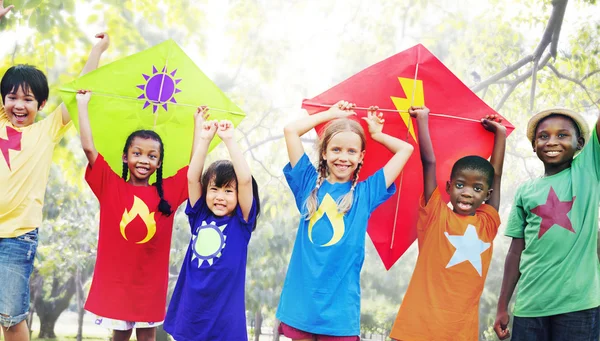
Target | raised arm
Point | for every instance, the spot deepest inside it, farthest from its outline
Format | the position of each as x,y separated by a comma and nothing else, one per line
493,123
204,131
598,128
401,149
91,64
426,150
294,130
85,131
240,166
4,10
509,282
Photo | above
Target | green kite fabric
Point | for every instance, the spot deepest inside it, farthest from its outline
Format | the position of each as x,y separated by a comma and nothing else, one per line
157,89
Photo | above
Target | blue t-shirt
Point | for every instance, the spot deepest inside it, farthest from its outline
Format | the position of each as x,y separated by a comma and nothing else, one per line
208,301
321,292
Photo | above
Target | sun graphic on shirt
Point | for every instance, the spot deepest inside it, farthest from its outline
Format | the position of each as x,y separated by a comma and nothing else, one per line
208,243
160,88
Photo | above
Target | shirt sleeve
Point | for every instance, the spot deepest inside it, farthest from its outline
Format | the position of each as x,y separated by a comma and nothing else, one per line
377,190
429,210
197,212
176,188
100,176
515,226
490,219
249,225
301,179
55,124
589,158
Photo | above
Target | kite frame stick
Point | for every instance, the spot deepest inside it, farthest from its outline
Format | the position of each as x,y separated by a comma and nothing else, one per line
141,100
313,104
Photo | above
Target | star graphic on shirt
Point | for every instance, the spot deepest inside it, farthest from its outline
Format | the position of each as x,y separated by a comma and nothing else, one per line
468,248
12,141
554,212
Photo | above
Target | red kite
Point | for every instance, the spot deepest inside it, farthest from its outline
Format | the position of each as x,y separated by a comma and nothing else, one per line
412,77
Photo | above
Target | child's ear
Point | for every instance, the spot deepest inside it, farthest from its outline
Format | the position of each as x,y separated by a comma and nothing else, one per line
448,184
580,143
124,158
41,106
362,155
489,194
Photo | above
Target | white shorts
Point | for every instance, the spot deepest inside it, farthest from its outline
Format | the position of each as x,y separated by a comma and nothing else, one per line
123,325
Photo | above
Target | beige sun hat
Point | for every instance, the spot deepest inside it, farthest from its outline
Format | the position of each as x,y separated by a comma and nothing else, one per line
584,130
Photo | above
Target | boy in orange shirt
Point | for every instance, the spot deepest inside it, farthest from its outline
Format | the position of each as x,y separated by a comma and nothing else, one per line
455,245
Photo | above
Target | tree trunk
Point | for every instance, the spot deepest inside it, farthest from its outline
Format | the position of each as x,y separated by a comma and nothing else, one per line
49,306
258,320
276,330
47,326
80,310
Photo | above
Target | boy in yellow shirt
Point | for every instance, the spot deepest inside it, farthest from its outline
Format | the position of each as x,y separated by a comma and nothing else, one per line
26,149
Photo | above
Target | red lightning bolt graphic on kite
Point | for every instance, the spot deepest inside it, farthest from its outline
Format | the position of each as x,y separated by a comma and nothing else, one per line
13,142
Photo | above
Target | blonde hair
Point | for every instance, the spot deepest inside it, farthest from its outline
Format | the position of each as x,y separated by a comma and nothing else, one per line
331,129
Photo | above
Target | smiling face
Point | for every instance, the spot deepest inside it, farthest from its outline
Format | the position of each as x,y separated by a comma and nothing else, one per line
142,158
555,142
468,189
222,201
21,107
343,154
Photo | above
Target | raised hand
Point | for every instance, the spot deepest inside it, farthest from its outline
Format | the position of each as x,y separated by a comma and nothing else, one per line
417,112
342,109
374,120
493,123
103,43
4,10
201,114
225,131
209,128
83,96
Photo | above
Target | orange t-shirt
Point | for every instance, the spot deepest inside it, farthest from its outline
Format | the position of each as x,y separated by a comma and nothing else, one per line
442,300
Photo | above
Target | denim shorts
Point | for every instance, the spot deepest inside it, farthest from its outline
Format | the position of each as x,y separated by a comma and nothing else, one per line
16,264
581,325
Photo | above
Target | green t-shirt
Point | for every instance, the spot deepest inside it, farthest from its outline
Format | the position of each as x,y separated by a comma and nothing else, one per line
558,218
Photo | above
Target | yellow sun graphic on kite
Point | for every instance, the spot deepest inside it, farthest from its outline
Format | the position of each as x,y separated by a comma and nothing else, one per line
208,243
160,88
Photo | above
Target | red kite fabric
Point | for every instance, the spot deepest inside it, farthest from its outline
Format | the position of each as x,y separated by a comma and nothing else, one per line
412,77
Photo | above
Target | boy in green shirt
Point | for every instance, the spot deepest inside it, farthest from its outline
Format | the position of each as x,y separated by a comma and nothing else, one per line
554,226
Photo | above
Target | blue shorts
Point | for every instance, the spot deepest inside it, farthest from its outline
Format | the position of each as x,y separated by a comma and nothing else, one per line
581,325
16,264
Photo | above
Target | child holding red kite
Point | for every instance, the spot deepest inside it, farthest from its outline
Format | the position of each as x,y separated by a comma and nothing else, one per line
455,245
554,226
321,292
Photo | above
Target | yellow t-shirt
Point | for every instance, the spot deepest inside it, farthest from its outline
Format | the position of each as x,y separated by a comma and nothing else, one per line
25,159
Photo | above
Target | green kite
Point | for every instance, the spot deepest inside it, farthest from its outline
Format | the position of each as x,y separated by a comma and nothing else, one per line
157,89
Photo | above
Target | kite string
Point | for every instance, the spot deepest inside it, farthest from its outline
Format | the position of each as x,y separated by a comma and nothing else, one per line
142,100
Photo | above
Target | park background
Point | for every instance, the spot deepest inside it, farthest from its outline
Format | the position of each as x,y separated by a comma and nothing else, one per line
519,56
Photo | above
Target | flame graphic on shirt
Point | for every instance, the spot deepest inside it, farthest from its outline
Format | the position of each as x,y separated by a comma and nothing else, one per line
140,209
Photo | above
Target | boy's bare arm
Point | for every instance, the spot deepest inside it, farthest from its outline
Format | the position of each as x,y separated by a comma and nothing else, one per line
509,282
426,150
492,123
4,10
598,129
91,64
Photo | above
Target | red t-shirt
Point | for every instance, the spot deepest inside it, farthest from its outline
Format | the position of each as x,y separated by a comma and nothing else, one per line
442,299
131,274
